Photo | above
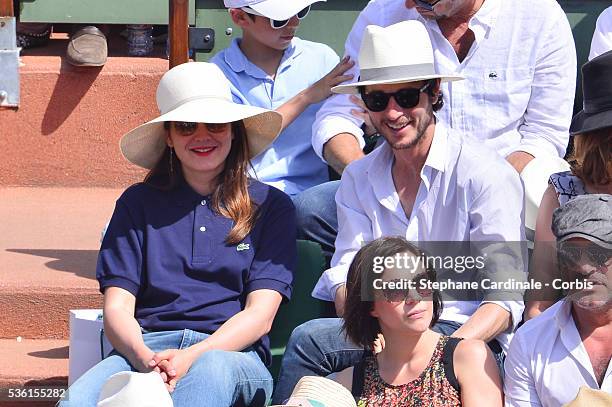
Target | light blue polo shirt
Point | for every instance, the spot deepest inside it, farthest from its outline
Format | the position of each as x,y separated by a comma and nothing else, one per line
290,164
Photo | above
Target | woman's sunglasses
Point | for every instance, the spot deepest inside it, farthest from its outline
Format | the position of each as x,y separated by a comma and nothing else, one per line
278,24
425,5
378,100
422,288
188,128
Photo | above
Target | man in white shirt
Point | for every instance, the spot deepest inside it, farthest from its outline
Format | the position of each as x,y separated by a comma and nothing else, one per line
519,61
426,183
568,345
602,37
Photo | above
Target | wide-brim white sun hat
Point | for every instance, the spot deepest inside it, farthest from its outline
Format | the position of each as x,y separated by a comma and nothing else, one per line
134,389
197,92
274,9
397,53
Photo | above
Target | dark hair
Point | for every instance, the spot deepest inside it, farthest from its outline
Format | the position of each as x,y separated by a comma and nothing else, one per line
359,325
591,159
230,197
439,103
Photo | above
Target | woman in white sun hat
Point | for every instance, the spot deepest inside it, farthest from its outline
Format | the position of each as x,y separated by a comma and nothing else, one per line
198,257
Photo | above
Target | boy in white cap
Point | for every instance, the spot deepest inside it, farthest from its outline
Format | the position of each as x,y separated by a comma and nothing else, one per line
271,68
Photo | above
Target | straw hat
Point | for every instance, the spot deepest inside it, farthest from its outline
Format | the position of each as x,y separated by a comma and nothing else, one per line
313,391
197,92
274,9
398,53
125,389
588,397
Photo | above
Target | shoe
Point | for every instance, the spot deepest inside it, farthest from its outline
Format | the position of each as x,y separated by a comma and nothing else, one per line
32,35
87,47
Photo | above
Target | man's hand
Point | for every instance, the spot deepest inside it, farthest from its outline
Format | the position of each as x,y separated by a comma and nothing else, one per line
519,159
321,89
175,363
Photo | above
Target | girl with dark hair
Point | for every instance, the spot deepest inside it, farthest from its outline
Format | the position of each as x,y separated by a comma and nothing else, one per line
416,366
197,258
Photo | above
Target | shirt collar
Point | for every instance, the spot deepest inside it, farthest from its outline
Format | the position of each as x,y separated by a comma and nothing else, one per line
568,332
183,195
436,158
485,18
238,62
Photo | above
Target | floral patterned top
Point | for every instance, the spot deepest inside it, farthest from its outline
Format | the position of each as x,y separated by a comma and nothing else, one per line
567,186
435,387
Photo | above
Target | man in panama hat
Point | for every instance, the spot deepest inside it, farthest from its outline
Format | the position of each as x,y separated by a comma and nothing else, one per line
426,182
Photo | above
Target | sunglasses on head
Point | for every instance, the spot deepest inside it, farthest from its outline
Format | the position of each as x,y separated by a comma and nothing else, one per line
278,24
595,255
377,101
425,5
188,128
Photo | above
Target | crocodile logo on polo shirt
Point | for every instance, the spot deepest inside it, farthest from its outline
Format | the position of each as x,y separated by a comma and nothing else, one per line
242,246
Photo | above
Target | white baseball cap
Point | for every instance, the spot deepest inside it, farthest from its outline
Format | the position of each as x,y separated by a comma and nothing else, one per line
274,9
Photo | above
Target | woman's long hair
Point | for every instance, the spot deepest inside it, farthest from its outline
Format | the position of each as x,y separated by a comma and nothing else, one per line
591,160
230,197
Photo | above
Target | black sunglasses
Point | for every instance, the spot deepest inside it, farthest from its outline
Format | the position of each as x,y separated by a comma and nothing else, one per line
595,255
278,24
426,6
188,128
378,100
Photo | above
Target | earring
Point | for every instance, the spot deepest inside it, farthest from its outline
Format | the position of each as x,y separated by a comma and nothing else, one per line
171,161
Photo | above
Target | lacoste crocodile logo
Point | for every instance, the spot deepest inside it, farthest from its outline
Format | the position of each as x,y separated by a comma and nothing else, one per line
242,246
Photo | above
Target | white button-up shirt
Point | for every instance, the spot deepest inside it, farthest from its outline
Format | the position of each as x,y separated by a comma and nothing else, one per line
602,37
547,362
467,193
520,76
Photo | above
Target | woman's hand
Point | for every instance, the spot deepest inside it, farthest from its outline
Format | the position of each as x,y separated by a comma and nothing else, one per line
321,89
174,363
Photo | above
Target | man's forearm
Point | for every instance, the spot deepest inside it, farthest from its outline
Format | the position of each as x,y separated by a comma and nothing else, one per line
341,150
486,323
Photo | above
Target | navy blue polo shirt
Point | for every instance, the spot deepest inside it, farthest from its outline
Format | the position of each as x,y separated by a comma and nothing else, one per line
168,249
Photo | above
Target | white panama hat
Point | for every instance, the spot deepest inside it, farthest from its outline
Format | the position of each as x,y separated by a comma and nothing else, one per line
125,389
274,9
398,53
197,92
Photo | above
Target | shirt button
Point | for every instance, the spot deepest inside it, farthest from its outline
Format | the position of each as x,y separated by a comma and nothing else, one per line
202,228
203,203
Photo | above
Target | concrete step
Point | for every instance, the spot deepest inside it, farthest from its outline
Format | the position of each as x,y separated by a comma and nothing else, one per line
67,128
49,239
40,363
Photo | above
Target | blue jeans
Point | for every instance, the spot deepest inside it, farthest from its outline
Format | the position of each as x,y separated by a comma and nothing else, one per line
215,379
317,219
319,347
